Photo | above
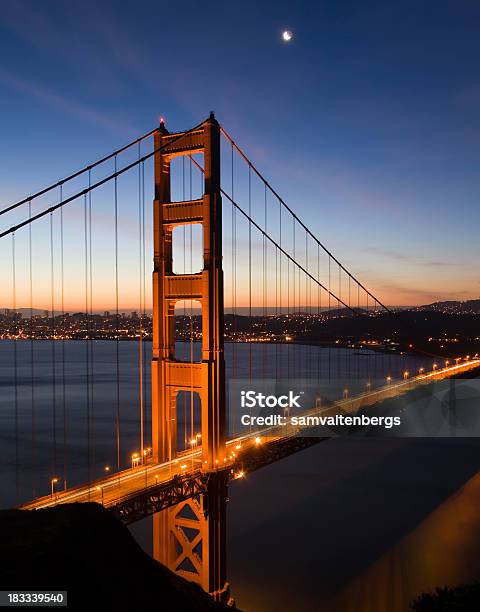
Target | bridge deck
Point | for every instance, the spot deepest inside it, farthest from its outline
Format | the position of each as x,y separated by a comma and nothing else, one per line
151,487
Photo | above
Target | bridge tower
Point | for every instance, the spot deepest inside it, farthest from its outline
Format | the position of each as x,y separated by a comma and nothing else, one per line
169,376
190,537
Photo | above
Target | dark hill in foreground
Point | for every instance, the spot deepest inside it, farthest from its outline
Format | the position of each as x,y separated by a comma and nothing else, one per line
83,549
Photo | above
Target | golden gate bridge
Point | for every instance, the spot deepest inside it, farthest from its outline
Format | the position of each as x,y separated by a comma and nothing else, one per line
178,472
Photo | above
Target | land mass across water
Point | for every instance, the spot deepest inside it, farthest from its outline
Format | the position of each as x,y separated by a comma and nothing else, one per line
445,329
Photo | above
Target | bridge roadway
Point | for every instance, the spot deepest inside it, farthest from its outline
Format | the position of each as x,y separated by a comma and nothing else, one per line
168,483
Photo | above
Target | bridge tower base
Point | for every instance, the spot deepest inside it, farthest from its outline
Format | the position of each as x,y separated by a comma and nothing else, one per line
190,538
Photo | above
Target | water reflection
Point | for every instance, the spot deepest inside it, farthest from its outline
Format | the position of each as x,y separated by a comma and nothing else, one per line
442,550
355,524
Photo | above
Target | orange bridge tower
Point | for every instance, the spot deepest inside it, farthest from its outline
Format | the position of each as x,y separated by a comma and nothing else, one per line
190,537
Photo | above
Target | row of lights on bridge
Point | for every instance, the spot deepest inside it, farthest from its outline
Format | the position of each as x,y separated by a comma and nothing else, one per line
406,373
457,360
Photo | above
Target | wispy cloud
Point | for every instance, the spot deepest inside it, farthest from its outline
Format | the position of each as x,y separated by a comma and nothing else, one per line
388,253
66,105
403,293
398,256
438,264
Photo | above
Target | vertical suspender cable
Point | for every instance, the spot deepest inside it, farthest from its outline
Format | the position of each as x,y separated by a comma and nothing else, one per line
319,312
358,308
140,290
350,351
64,403
92,320
184,323
264,252
250,323
376,347
276,311
339,297
288,318
15,363
190,325
87,355
54,385
280,274
368,361
234,276
192,407
117,348
328,317
32,361
293,322
307,330
144,310
250,327
308,309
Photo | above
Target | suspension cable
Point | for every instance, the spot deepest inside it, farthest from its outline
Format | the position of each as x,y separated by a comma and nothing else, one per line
280,199
88,168
85,191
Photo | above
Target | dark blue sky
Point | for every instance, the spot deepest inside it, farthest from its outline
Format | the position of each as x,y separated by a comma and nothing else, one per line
368,122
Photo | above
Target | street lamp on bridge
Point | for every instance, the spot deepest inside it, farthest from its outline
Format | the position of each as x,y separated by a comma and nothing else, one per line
53,482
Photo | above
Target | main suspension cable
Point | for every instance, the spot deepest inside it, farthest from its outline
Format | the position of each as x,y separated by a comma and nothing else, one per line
88,168
99,183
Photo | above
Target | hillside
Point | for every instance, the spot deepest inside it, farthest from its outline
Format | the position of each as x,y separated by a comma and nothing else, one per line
83,549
